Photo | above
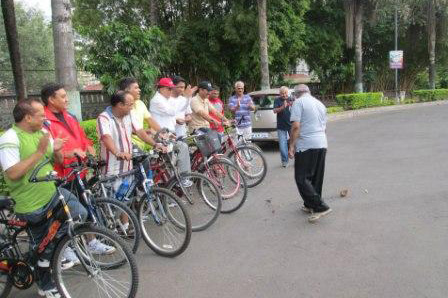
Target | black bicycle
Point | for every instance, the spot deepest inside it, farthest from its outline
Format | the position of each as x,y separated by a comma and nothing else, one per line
164,221
104,211
93,277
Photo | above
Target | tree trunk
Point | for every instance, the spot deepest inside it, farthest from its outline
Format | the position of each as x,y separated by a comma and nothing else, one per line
64,53
359,10
432,43
263,32
153,13
13,46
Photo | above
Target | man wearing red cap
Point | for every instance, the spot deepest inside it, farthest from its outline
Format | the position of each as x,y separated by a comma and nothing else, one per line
164,110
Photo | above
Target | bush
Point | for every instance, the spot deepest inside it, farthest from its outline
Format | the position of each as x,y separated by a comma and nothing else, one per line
89,127
331,110
359,100
431,95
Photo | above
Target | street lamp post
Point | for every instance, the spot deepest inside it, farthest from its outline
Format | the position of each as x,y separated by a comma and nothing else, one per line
396,49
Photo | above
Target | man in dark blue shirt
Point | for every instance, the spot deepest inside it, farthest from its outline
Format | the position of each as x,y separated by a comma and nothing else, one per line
282,107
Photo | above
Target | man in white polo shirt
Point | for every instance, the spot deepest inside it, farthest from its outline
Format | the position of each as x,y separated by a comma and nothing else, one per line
163,109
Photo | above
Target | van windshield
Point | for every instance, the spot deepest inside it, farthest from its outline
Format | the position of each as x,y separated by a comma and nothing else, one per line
264,102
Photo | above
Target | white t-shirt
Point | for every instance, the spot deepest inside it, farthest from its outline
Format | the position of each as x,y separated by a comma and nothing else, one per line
9,148
312,115
163,111
182,109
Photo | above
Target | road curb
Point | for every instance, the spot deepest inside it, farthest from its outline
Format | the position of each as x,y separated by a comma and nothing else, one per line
370,111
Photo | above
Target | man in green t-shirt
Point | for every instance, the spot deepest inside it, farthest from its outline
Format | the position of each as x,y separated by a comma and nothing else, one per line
22,148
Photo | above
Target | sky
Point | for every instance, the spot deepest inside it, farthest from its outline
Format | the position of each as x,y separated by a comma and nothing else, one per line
44,5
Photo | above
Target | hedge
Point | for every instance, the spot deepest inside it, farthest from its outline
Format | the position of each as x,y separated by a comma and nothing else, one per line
359,100
431,95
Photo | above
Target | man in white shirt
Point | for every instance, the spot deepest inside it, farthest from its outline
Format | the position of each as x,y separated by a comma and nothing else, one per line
163,109
181,95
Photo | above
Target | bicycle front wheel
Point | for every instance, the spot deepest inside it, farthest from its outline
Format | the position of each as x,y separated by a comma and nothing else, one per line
201,196
119,218
91,278
252,163
165,223
230,182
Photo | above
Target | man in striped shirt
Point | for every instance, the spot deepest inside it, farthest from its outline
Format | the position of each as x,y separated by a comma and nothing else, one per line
115,127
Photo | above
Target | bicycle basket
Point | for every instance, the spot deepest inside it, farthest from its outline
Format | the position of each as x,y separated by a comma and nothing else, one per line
208,143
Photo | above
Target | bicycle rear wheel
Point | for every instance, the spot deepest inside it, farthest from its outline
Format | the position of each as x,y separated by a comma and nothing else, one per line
165,223
252,163
91,278
202,199
119,218
230,182
5,281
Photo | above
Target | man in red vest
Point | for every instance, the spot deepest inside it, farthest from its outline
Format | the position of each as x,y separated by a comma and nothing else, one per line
62,124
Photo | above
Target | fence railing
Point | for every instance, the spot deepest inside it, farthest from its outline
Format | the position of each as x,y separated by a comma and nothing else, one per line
93,103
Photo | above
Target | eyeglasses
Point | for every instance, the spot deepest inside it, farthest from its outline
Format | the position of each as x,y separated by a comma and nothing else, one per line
127,104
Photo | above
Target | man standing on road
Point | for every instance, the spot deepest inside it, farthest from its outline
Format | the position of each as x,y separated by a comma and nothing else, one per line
219,107
164,110
139,111
60,123
201,107
241,104
181,96
282,107
22,148
308,145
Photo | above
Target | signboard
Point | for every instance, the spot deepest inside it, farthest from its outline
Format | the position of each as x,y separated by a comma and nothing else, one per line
396,59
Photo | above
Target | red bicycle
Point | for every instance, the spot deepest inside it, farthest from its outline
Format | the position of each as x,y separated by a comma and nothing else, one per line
223,172
200,195
247,156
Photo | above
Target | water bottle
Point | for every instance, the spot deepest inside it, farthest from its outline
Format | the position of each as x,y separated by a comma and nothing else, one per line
149,178
122,190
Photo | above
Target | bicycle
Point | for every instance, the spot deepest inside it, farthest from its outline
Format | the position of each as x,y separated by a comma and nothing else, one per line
107,212
92,277
222,172
247,156
163,219
202,197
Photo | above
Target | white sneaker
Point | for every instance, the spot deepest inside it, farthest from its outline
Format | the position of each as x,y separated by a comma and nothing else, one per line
316,215
186,182
66,263
96,247
306,209
52,293
70,255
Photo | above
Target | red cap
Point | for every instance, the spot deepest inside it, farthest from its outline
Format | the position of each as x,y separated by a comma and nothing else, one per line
166,82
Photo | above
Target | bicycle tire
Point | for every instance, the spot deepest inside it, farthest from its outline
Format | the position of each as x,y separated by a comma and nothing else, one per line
221,170
6,289
81,232
132,239
247,155
198,203
171,222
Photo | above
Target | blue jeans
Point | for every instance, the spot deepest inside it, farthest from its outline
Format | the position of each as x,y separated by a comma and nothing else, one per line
37,233
283,144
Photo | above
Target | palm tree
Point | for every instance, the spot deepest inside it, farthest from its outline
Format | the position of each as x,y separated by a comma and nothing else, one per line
64,53
13,45
263,31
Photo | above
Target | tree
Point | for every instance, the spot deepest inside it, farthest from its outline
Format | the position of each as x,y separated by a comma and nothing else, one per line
119,50
210,39
64,53
263,31
13,45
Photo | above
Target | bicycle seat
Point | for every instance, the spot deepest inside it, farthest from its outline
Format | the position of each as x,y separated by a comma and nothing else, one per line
6,202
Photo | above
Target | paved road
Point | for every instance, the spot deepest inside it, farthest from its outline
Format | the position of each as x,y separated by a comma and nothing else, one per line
387,239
